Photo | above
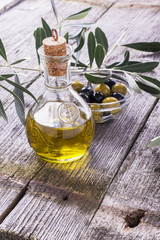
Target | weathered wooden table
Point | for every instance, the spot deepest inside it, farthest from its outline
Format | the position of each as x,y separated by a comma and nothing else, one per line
88,199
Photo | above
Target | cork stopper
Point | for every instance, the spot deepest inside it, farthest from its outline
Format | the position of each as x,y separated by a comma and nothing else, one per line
55,46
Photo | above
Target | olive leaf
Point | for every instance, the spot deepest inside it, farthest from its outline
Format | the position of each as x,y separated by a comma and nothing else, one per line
19,87
91,47
19,61
147,83
66,36
54,9
132,83
82,25
80,40
117,76
79,15
126,59
2,112
5,76
19,101
112,65
95,79
15,96
154,142
117,64
152,80
46,28
147,88
145,46
156,95
139,67
157,168
39,35
101,38
76,35
99,55
12,93
124,63
133,62
79,63
2,50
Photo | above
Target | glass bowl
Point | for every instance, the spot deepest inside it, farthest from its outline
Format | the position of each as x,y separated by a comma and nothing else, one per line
103,112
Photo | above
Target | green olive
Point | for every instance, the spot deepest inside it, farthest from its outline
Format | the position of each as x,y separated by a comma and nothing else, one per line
104,89
120,88
95,107
77,86
112,103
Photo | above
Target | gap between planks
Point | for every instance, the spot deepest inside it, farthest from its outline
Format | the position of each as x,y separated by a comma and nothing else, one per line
100,3
18,197
137,4
7,6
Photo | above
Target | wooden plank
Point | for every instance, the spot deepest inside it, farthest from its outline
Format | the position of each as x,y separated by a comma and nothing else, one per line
137,3
8,192
135,187
7,4
101,3
68,195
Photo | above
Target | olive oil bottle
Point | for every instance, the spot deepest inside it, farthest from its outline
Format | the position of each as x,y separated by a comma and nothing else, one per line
60,128
58,141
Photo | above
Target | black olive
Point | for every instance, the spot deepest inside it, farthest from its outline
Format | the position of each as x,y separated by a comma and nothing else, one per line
85,97
87,91
92,99
106,114
110,83
117,95
98,97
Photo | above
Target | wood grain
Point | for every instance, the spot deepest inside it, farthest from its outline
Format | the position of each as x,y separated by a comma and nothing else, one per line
137,3
8,193
101,3
7,4
62,199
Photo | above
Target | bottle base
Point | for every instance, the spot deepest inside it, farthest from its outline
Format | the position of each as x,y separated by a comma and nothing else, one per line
61,160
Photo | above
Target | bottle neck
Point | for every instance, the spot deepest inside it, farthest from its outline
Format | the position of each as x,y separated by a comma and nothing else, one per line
56,69
61,78
57,84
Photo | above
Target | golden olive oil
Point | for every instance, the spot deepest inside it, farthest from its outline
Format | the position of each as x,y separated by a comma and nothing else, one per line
58,141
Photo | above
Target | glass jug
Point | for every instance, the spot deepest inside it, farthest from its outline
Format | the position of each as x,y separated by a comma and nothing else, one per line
61,127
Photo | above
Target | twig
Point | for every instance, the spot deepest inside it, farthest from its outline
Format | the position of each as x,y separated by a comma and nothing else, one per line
21,68
115,45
